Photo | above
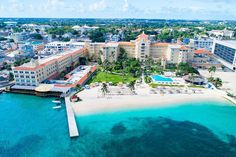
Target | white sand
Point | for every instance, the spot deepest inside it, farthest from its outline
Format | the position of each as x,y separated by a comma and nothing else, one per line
228,78
91,104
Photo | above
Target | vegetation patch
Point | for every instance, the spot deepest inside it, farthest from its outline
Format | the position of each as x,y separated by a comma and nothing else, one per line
109,77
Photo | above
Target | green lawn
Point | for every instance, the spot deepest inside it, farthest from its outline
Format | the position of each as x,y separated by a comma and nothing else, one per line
107,77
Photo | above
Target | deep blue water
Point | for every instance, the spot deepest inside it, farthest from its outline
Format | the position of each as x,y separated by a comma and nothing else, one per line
29,127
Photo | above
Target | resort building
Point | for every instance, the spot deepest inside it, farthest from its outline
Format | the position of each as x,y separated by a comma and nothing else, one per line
109,52
55,47
36,71
142,48
204,59
201,43
225,51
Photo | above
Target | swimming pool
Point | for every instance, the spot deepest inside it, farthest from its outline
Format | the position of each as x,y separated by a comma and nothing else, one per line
160,78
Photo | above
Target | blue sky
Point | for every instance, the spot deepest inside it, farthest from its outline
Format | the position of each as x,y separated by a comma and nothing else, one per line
157,9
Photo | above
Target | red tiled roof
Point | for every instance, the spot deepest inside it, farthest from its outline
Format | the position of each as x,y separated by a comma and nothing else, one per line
183,48
127,43
51,61
160,44
83,79
202,51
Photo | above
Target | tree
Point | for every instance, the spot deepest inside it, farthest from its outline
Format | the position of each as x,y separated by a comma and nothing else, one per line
212,70
123,55
104,89
78,87
147,79
217,82
97,35
132,85
36,36
191,77
11,76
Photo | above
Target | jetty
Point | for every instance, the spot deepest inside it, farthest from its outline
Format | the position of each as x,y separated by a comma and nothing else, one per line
73,130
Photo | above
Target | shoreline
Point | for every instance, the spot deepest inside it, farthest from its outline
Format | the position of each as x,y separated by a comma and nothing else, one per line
91,104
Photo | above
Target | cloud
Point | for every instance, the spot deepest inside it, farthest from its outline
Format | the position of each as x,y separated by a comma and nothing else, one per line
125,5
16,6
53,5
98,6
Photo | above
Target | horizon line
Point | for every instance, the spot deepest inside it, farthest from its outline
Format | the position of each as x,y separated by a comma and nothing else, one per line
116,18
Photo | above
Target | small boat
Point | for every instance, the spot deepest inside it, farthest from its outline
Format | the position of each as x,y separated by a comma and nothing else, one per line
56,101
57,107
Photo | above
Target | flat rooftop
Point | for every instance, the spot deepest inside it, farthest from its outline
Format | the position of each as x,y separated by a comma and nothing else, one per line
49,58
228,43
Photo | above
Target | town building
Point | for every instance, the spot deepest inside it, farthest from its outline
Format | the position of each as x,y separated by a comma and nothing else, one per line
225,51
18,37
37,46
84,28
222,33
55,47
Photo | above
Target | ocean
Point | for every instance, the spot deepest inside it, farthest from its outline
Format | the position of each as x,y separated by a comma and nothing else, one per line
29,127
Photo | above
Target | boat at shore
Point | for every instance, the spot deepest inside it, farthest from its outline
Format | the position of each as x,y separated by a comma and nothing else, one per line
57,101
57,107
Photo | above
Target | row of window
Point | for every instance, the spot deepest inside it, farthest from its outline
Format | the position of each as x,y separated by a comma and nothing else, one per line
24,72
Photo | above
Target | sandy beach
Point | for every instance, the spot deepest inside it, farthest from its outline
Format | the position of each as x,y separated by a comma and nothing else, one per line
93,104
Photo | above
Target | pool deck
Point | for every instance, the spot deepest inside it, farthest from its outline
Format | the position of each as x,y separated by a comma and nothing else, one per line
73,130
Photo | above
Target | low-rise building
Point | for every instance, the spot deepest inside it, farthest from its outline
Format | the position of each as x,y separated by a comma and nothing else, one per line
222,33
204,59
55,47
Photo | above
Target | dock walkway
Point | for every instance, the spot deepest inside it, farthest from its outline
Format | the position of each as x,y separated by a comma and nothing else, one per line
73,130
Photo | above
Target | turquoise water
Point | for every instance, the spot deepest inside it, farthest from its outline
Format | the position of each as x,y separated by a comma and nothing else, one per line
159,78
29,127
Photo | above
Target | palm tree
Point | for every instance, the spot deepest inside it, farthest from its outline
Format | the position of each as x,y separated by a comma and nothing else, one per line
212,70
132,85
191,78
104,89
123,70
218,82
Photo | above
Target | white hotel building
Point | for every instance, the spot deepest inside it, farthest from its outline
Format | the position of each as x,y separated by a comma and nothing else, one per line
225,51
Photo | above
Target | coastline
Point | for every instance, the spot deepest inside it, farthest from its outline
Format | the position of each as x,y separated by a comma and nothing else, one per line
91,104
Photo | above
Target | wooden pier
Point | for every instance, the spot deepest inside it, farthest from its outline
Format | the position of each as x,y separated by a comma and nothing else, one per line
73,130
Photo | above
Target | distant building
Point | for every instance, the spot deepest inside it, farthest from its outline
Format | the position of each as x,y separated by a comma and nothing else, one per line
25,50
37,46
222,33
84,28
55,47
10,24
18,37
201,43
225,51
